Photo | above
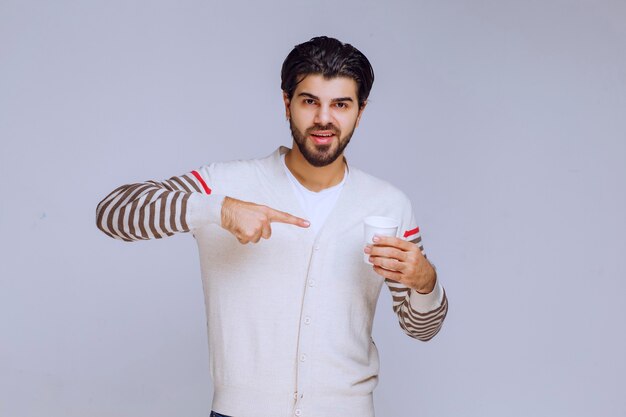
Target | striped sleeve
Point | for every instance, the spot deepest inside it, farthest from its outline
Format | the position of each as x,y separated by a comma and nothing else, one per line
421,316
153,209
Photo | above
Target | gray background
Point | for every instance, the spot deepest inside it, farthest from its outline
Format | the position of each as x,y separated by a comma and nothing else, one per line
503,121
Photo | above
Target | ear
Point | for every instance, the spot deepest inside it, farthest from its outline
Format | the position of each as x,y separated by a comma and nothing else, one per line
287,103
358,117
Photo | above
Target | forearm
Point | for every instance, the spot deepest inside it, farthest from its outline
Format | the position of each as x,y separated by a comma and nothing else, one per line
421,303
420,316
153,210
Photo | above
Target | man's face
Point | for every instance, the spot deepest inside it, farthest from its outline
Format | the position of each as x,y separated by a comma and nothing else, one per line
323,114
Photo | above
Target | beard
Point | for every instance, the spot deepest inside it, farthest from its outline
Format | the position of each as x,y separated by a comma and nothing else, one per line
320,155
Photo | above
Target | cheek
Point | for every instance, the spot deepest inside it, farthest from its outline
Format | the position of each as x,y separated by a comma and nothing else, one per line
347,122
302,119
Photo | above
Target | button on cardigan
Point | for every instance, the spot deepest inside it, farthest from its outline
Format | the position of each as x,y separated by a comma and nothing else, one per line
289,319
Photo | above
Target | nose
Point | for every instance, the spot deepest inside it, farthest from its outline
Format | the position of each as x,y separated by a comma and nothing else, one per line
323,116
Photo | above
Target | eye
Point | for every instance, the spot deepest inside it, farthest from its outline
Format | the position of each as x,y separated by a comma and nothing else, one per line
341,105
309,101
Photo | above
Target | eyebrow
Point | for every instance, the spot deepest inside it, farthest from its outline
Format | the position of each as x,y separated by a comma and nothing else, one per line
309,95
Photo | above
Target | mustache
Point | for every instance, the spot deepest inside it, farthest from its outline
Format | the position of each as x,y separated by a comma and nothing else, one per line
329,126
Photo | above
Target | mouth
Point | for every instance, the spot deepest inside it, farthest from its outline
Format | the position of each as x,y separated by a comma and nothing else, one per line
322,137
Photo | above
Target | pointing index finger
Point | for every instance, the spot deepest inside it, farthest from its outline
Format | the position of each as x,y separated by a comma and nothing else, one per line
277,216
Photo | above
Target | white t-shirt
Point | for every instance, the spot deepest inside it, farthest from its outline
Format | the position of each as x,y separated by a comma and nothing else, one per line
317,205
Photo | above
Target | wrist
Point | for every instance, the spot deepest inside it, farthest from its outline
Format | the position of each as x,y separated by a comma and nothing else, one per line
431,281
203,209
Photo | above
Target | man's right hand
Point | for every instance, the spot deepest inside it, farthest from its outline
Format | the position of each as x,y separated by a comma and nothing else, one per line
250,222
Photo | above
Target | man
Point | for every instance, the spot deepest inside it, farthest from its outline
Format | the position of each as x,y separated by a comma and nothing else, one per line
290,318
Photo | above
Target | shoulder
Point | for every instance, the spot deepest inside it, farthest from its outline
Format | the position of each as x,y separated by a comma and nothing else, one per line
378,187
238,167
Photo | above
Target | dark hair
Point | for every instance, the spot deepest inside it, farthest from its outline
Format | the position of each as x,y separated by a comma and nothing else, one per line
330,58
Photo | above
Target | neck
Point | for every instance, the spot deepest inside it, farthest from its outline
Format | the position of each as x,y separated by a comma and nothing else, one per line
312,177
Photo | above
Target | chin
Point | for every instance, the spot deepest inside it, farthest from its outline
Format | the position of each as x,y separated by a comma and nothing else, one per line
321,159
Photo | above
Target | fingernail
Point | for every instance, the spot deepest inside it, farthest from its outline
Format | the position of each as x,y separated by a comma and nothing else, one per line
368,249
306,223
375,239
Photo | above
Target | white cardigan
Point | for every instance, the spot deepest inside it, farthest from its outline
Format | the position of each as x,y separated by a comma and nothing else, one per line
290,318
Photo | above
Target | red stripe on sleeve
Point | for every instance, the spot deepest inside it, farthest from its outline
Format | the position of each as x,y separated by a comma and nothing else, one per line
199,178
411,232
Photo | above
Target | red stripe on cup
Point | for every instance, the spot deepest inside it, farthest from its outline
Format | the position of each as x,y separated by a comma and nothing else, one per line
199,178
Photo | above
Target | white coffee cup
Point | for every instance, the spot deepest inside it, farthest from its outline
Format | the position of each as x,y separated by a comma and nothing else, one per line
378,225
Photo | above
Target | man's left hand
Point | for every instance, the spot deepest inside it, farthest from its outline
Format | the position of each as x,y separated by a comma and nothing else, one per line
402,261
